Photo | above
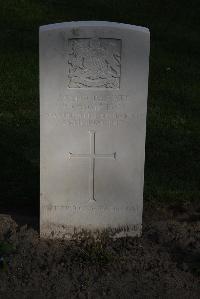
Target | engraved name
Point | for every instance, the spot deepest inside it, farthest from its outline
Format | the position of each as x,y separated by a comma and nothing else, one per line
92,103
95,111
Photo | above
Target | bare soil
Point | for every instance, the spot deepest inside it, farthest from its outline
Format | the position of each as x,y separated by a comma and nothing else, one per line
163,263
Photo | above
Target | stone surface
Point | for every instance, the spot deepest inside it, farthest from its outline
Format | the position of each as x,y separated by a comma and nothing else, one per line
93,102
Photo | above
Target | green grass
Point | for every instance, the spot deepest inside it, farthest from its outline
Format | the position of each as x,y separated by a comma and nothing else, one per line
173,126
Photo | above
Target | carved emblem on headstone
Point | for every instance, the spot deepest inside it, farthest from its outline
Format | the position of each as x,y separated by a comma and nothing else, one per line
94,63
92,156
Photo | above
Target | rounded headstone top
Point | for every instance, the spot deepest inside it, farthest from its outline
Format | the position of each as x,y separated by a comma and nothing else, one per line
93,24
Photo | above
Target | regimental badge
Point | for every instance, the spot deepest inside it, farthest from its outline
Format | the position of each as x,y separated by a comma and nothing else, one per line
94,63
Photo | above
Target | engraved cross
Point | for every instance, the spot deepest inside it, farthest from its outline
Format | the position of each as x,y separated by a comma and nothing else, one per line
92,156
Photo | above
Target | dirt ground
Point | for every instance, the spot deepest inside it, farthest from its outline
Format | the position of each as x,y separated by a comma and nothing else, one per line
163,263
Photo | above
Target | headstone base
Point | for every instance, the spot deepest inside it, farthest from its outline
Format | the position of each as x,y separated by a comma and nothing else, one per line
55,231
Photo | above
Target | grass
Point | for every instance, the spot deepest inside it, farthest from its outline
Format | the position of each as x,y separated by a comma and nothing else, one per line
5,250
173,139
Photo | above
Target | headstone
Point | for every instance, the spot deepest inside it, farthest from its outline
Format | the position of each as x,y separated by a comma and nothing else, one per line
93,102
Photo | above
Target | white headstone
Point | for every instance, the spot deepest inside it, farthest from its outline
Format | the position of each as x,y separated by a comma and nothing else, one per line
93,102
